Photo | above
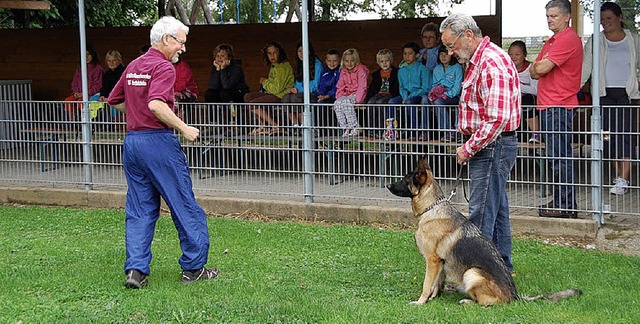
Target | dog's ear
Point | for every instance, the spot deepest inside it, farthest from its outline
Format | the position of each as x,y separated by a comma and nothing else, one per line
423,164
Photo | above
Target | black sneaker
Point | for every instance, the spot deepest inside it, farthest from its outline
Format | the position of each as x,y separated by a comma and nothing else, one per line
201,274
135,279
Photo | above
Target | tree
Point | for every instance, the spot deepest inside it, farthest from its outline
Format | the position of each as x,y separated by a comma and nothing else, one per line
118,13
331,10
98,13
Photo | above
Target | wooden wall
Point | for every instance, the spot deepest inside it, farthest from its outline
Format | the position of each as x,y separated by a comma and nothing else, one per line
49,57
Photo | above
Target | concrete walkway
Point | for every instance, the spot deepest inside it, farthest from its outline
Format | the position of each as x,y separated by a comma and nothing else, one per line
289,210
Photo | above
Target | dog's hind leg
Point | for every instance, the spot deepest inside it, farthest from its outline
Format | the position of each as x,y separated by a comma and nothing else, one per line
481,289
433,272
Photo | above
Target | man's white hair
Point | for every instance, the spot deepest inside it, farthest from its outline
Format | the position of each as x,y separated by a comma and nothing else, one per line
166,25
458,23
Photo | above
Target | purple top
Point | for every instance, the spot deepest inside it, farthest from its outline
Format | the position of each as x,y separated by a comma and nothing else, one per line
149,77
94,80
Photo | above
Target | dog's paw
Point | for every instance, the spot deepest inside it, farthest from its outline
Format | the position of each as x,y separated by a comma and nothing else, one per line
417,302
466,302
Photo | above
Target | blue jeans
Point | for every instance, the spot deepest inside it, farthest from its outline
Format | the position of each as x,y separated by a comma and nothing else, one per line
488,204
155,167
443,113
557,125
411,112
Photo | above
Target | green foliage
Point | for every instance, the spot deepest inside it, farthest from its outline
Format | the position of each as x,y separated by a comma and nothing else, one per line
98,13
65,265
118,13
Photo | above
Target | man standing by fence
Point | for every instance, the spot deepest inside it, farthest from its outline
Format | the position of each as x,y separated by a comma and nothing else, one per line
488,117
154,163
558,69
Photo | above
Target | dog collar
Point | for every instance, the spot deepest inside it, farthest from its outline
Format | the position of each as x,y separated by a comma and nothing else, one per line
438,202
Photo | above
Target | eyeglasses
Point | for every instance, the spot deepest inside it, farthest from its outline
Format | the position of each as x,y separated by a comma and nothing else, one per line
181,42
450,46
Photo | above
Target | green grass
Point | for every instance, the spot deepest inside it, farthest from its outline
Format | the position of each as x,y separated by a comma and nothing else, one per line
65,265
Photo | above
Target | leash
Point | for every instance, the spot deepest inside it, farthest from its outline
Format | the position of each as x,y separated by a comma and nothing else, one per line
448,199
455,187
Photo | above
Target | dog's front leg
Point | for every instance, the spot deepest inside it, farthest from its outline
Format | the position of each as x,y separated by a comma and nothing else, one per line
433,272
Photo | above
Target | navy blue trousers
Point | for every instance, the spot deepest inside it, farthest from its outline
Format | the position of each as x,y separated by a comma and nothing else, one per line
155,167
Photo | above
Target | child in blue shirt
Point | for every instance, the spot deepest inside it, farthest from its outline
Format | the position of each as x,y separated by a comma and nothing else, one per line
447,86
295,95
414,80
327,89
329,77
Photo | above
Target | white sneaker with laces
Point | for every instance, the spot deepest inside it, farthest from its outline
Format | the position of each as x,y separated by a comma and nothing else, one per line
619,186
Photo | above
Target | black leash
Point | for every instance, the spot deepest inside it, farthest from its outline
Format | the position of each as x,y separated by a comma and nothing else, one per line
455,187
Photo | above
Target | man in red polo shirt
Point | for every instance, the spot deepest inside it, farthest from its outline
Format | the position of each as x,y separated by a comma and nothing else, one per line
488,117
153,161
558,69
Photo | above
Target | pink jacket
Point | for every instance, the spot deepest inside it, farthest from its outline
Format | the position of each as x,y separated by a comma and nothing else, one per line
351,82
94,80
184,78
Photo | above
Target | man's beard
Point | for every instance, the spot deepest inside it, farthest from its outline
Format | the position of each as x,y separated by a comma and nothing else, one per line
176,57
464,56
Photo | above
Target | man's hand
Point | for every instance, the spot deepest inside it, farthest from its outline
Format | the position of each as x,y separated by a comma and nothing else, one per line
461,157
190,133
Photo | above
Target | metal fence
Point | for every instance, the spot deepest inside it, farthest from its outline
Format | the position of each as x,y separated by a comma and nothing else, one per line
54,146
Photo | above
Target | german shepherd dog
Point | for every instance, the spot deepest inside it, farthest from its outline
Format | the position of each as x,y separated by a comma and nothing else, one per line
454,249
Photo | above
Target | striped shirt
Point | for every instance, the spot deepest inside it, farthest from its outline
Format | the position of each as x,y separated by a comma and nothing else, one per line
490,99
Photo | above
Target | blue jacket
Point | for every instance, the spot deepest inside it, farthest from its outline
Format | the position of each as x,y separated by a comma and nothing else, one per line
414,80
328,80
313,84
450,79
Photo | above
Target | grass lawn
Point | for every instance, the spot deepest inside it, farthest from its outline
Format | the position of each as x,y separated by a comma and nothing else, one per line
65,265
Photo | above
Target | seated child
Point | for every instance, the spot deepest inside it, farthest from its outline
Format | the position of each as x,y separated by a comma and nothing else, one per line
94,83
296,94
351,90
109,80
226,84
384,83
329,77
272,88
414,80
384,86
447,86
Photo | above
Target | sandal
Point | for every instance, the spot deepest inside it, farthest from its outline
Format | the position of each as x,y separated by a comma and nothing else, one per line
257,131
276,131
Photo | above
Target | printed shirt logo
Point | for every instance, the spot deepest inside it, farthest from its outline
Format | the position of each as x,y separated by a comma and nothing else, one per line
138,80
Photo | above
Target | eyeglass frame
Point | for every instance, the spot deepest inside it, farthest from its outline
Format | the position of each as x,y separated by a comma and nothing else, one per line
181,42
450,46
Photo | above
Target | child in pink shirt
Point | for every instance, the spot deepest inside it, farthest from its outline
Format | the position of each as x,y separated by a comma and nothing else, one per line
351,90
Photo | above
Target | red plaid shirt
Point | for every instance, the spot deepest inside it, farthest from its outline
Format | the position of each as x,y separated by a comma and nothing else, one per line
490,99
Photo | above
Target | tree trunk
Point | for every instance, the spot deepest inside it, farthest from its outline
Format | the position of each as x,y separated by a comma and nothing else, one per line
326,11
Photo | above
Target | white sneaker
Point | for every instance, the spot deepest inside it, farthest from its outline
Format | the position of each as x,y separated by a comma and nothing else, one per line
354,132
346,133
619,186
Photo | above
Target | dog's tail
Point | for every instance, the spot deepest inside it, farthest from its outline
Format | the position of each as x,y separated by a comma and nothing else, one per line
556,296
